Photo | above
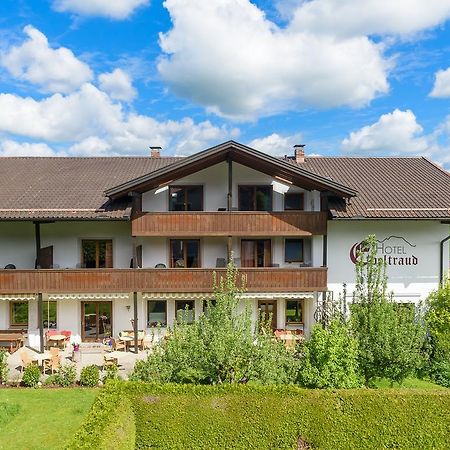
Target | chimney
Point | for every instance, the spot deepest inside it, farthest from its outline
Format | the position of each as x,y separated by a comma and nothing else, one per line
299,153
155,152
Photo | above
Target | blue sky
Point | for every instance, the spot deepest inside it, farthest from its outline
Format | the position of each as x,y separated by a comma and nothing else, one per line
344,77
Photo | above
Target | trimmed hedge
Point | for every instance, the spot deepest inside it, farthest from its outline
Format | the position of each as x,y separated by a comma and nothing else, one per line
110,424
251,417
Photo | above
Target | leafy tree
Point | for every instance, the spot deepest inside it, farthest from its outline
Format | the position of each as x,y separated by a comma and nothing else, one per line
221,347
389,337
438,325
330,357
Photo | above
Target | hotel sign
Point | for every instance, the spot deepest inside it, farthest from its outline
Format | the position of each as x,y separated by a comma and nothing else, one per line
393,250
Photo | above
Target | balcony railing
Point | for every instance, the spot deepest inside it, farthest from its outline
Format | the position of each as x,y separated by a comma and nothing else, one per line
264,279
234,223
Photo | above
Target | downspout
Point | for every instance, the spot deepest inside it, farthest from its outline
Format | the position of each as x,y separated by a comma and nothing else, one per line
441,265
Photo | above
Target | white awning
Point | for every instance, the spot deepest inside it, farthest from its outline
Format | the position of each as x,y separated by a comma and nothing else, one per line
82,296
206,295
17,297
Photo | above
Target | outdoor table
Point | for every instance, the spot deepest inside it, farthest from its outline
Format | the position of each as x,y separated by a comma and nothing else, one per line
58,338
11,341
127,340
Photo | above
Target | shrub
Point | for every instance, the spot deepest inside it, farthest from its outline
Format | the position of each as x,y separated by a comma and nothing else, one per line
111,373
31,376
66,375
439,371
330,358
390,339
221,347
3,366
110,423
89,376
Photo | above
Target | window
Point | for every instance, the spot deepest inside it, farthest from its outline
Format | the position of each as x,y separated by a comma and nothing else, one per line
255,198
208,304
18,314
185,310
294,201
186,198
293,250
157,313
184,253
96,254
294,311
256,253
49,315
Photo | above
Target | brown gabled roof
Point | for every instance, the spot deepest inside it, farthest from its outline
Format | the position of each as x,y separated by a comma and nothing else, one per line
73,188
388,187
68,188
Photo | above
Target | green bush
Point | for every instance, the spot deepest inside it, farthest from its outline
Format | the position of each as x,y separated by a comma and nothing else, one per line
111,373
3,366
66,375
31,375
90,376
440,371
330,358
221,347
109,425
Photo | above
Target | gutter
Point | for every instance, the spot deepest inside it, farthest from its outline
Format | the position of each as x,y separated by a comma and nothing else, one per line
441,260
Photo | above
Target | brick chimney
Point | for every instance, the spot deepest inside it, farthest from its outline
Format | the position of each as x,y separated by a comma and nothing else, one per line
299,153
155,152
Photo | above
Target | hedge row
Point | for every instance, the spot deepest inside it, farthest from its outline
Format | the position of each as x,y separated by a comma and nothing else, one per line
110,424
144,416
196,417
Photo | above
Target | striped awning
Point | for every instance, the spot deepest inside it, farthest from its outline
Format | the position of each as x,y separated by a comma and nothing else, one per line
82,296
17,297
206,295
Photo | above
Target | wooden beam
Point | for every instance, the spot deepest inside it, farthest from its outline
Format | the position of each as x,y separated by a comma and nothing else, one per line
41,323
135,322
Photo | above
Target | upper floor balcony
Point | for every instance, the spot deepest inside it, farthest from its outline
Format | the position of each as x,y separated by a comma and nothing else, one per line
230,223
257,279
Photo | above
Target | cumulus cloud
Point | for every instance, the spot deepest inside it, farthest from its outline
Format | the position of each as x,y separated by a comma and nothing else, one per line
14,148
53,70
227,56
118,85
394,133
276,144
91,123
441,88
366,17
112,9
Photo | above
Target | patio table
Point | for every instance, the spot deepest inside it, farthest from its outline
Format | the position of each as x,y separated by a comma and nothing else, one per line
57,338
11,341
127,340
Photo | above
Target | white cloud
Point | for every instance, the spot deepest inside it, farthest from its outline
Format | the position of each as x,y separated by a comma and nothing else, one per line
13,148
365,17
276,144
118,85
225,55
394,133
54,70
91,123
441,88
113,9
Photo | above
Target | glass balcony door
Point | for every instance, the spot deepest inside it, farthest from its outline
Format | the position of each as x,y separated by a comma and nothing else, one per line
268,312
256,253
96,320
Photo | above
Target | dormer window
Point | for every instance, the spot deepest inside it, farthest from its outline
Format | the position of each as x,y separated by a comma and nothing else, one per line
255,198
186,198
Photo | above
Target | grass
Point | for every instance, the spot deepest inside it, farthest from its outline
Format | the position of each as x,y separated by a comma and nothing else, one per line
32,419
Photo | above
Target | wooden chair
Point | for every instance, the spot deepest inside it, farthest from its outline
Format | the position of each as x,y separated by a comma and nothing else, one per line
118,344
109,360
26,360
54,362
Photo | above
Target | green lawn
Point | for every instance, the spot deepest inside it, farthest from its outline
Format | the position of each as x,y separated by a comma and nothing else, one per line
409,383
32,419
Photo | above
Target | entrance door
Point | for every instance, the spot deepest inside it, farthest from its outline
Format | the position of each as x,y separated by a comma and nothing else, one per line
256,253
268,312
96,320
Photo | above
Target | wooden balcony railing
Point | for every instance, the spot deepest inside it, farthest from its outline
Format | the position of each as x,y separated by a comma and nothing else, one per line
234,223
263,279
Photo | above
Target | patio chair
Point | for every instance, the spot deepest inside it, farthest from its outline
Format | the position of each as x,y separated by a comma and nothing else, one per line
118,344
221,262
68,335
26,360
109,360
54,362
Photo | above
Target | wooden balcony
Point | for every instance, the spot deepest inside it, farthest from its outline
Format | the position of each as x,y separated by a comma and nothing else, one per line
234,223
265,279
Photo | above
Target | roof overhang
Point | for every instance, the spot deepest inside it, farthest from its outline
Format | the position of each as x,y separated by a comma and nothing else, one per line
238,153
